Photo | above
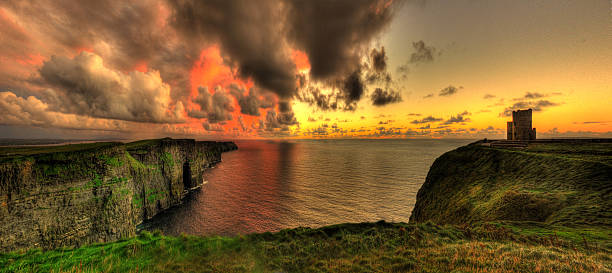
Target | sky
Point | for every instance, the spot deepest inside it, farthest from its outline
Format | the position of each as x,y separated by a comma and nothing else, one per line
303,69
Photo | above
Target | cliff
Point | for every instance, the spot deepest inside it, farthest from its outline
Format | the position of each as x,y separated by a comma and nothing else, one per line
562,184
52,196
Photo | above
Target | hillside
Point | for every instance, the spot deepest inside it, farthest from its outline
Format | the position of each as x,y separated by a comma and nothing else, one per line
69,195
366,247
564,184
545,208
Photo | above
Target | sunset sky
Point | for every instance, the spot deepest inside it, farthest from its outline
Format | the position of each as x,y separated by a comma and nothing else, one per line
303,69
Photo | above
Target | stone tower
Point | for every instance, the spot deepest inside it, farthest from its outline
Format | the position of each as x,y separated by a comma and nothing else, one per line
520,126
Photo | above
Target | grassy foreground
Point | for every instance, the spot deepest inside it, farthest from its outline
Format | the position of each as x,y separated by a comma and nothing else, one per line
365,247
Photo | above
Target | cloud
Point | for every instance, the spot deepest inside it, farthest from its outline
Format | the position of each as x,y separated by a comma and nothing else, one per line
488,96
212,127
449,91
311,119
252,102
429,96
353,90
150,50
250,33
592,122
379,59
258,37
426,120
332,33
422,53
552,133
536,95
216,107
382,131
84,85
279,120
536,106
403,71
31,111
381,98
413,114
319,131
314,97
242,125
459,118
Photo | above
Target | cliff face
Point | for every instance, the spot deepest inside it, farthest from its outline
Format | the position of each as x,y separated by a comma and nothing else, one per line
77,194
555,183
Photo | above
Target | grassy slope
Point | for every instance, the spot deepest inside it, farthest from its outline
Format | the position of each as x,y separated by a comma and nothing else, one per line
483,197
366,247
557,184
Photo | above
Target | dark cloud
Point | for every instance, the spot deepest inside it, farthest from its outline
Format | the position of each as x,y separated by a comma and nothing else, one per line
257,36
257,40
85,86
242,125
488,96
314,96
353,88
426,120
386,122
378,59
31,111
251,102
403,71
591,122
536,106
382,97
124,34
429,96
382,131
376,70
449,91
413,114
422,53
249,32
334,33
279,120
459,118
212,127
320,131
536,95
217,107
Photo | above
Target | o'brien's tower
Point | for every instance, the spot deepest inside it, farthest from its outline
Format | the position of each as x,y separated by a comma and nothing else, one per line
520,126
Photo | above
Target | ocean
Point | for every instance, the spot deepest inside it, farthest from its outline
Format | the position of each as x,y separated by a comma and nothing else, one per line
273,185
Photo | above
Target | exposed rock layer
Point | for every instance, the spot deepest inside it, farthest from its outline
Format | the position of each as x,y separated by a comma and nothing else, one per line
77,194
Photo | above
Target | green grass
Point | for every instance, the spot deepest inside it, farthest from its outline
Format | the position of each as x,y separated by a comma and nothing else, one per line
556,184
12,153
142,144
365,247
546,208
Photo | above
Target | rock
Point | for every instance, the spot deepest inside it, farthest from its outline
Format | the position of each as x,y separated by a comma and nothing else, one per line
83,193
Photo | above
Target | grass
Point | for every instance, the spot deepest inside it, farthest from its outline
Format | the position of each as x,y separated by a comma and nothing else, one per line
12,153
556,184
365,247
546,208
